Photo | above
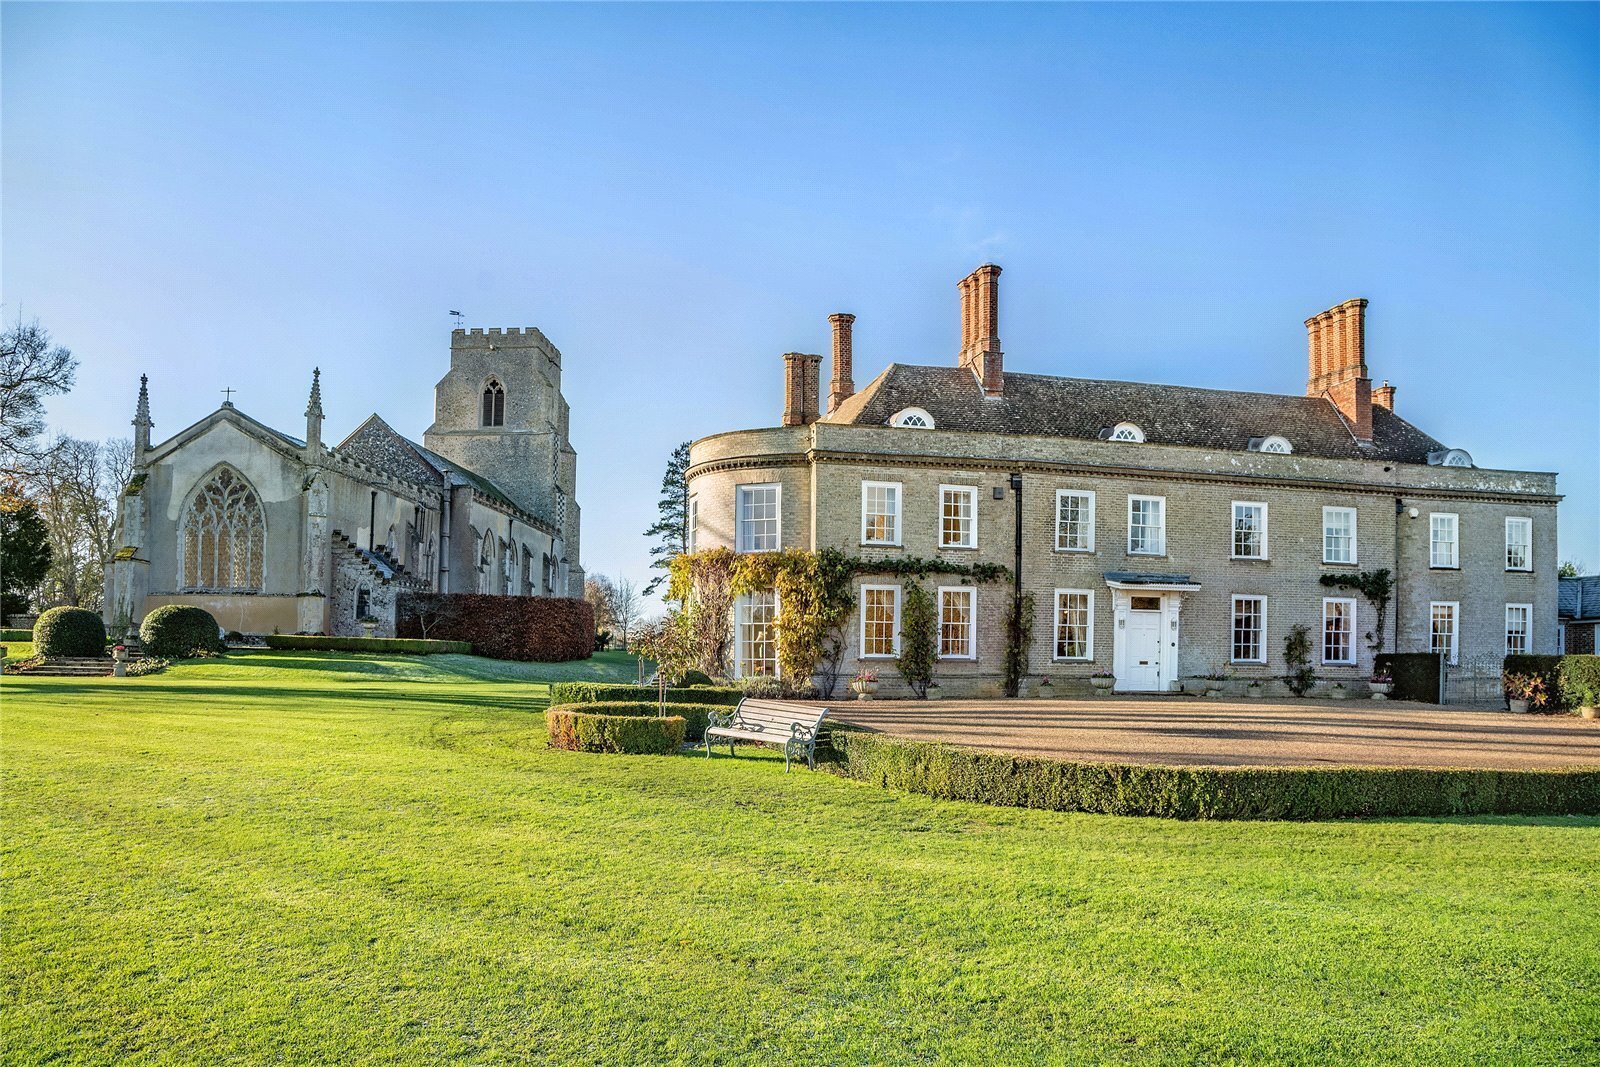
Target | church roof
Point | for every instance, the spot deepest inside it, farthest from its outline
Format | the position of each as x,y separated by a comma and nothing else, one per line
380,445
1168,414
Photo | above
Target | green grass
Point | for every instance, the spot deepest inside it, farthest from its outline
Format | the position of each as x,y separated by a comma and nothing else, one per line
322,858
16,650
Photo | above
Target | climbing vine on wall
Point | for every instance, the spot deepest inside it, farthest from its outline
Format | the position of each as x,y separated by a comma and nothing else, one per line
815,597
1378,587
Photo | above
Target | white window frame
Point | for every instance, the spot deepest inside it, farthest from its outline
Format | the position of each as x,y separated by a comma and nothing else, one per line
694,520
1455,542
1527,628
740,604
739,494
1161,529
898,513
1126,433
1455,628
971,493
1233,625
1055,643
904,417
1233,529
1277,445
971,593
861,610
1350,602
1526,523
1088,494
1355,554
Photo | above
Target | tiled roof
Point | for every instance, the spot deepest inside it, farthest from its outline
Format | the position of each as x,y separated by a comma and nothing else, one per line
1578,598
1168,414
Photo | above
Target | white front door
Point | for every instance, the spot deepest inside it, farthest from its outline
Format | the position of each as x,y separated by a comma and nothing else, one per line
1142,651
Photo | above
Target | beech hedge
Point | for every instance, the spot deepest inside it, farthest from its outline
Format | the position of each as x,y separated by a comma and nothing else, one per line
1570,681
592,692
580,728
694,716
952,773
530,628
20,636
410,646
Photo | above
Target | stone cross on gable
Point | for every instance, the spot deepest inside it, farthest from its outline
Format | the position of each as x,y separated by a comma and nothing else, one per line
227,396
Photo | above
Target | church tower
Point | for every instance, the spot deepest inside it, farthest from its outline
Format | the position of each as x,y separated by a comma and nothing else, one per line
499,413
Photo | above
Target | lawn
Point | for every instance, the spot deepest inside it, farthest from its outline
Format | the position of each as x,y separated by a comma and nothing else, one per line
314,858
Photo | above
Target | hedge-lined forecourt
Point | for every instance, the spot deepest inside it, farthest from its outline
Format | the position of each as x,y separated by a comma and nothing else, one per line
1415,674
69,633
694,716
593,692
410,646
580,728
952,773
1569,681
180,631
540,629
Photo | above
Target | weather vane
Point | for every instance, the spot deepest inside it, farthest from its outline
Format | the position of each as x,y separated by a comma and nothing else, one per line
460,318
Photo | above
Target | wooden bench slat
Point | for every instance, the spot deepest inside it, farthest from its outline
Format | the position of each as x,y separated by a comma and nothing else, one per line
792,725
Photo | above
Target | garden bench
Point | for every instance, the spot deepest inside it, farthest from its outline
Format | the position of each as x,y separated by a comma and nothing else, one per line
774,722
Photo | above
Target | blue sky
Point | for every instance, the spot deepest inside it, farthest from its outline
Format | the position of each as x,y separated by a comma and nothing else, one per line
229,195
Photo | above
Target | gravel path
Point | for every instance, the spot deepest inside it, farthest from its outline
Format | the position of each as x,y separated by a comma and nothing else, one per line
1187,731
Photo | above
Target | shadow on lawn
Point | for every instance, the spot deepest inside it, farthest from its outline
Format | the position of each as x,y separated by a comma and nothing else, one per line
275,696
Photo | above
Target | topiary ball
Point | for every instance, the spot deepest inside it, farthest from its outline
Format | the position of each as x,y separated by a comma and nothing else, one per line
69,632
693,678
180,631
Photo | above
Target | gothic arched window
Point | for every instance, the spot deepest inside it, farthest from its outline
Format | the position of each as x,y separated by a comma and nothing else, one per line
494,404
222,539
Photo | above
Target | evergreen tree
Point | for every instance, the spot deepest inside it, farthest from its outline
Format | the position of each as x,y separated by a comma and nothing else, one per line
671,529
24,552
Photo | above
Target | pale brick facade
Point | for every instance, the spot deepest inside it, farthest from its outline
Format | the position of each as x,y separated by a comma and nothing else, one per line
822,464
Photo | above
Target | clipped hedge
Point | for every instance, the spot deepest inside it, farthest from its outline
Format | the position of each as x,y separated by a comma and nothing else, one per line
578,728
180,631
19,636
1570,681
69,633
530,628
410,646
1416,675
952,773
592,692
694,716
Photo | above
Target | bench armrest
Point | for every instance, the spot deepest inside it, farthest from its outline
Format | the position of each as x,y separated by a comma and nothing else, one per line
722,718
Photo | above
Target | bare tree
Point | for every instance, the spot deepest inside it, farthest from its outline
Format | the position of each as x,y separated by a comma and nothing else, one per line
31,368
601,593
627,608
76,484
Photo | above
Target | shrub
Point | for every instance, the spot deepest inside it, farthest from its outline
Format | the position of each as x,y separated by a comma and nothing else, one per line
1569,681
538,628
1207,792
769,687
1297,657
1415,674
694,679
577,728
20,636
410,646
602,640
69,632
694,716
591,692
148,665
180,631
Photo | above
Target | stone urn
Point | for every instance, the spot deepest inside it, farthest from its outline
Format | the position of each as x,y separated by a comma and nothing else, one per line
119,661
1255,692
1338,692
933,693
864,688
1102,682
369,627
1381,690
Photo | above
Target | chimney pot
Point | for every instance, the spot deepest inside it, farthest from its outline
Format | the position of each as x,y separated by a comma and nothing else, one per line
1337,342
980,328
843,386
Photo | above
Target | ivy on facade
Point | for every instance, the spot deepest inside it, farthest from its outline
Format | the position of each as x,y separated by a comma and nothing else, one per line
1378,587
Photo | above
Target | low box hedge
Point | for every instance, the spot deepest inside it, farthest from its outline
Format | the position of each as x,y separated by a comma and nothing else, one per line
24,637
694,716
410,646
952,773
1570,681
593,692
580,728
1415,674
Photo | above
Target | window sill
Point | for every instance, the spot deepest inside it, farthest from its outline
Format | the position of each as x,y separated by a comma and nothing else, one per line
1071,659
1442,567
958,548
1145,555
1247,662
958,659
1352,564
880,544
1074,551
879,655
1250,559
1526,572
1338,663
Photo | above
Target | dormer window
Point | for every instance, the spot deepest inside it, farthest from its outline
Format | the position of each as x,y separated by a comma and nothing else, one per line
494,404
1126,431
1274,443
914,418
1450,457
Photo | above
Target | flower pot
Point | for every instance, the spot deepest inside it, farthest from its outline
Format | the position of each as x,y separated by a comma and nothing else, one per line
1588,711
1381,690
1102,684
864,690
1518,705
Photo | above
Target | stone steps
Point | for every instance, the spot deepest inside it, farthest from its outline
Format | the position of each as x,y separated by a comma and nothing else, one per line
84,667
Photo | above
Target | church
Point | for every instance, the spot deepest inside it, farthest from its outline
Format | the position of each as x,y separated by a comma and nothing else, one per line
279,534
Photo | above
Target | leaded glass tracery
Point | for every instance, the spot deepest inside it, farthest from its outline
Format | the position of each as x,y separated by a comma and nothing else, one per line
223,537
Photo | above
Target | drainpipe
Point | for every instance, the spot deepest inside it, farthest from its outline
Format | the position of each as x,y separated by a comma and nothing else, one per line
1399,510
1016,573
444,541
372,520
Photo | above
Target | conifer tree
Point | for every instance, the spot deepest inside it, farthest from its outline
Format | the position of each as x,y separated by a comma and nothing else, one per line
671,528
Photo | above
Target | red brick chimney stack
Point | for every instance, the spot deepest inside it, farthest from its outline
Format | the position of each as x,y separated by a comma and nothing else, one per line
1383,396
980,328
843,386
801,383
1337,343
